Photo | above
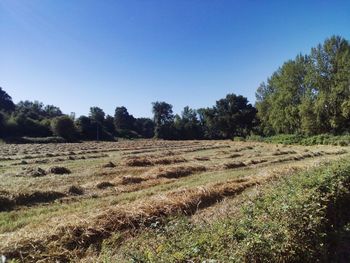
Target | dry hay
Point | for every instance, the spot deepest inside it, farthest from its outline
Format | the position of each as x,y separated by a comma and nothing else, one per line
255,161
232,165
32,172
175,172
170,160
149,161
103,185
6,203
10,201
279,152
109,165
131,180
235,155
138,161
75,190
202,158
59,170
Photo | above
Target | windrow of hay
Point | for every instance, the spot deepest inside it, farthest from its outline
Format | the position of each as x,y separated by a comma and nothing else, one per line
75,190
202,158
131,180
235,155
70,242
103,185
232,165
60,159
279,152
109,165
59,170
255,161
148,161
32,172
175,171
10,201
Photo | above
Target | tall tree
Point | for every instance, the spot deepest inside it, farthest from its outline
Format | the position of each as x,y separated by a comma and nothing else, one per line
163,119
188,125
6,103
97,116
234,116
122,119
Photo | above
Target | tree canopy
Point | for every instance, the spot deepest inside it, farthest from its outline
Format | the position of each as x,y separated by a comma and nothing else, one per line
310,94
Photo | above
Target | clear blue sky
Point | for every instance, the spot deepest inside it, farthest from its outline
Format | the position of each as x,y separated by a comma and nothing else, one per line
76,54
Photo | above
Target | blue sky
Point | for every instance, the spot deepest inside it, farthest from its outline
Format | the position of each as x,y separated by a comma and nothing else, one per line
76,54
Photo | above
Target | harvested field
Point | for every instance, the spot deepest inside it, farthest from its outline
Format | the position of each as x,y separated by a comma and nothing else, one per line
64,212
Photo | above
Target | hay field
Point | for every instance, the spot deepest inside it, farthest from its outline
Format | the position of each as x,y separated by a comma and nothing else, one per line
59,202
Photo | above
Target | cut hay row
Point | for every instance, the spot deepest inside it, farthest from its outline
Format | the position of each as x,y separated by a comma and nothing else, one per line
151,178
69,242
39,172
149,161
56,160
10,202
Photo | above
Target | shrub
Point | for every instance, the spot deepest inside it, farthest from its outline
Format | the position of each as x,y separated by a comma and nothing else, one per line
238,139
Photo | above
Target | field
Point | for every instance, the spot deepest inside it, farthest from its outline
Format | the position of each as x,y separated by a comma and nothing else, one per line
86,201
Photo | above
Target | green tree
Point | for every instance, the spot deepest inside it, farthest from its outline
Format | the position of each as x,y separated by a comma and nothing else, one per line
233,116
97,117
309,94
144,127
6,103
188,125
163,119
64,127
123,120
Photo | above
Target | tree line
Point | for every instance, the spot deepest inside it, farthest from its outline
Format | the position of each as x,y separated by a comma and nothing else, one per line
231,116
307,95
